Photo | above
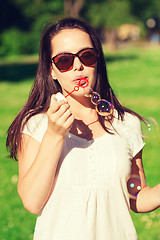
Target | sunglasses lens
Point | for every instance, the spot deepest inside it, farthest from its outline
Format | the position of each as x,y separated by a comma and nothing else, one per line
64,62
88,57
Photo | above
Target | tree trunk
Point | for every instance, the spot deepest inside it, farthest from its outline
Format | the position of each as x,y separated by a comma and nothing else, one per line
73,7
67,6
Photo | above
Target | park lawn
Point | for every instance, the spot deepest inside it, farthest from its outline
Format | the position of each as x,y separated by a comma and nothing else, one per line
134,75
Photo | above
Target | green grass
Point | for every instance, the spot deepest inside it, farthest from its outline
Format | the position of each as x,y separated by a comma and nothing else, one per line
134,74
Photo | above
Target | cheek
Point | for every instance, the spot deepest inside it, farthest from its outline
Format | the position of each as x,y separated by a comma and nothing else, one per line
60,77
53,72
63,79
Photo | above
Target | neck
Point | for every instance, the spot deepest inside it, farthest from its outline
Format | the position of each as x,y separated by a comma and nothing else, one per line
82,108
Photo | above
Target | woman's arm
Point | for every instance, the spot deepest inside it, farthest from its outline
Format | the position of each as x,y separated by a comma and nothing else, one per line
38,161
148,199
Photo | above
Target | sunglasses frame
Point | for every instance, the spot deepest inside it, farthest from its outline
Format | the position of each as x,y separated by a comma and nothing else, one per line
93,50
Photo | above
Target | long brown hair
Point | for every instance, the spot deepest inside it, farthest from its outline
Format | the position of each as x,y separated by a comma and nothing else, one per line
44,86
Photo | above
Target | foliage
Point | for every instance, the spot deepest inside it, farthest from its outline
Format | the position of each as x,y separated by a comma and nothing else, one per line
113,13
12,16
16,42
25,18
37,8
144,9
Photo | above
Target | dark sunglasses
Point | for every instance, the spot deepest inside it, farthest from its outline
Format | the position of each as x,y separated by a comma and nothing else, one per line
64,61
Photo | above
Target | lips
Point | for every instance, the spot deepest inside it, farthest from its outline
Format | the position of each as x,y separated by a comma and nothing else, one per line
81,80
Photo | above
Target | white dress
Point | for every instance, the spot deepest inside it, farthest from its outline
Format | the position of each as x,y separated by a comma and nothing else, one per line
90,200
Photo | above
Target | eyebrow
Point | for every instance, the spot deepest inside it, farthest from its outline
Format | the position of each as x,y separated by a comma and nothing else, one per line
71,52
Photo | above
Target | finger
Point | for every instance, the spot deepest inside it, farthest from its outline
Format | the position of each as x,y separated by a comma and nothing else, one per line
63,118
61,111
55,106
55,117
59,96
68,123
54,102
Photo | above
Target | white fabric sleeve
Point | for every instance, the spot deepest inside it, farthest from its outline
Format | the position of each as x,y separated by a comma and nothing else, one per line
134,134
36,126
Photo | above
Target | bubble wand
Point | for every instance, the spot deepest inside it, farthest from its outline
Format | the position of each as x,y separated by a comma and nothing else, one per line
83,82
102,106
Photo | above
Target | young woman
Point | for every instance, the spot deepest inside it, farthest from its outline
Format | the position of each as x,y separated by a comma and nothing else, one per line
74,162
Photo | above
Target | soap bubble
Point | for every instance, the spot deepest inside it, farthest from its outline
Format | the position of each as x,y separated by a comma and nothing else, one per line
104,108
150,129
95,97
134,185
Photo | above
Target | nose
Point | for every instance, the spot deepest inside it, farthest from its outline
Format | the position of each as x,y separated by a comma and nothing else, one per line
77,64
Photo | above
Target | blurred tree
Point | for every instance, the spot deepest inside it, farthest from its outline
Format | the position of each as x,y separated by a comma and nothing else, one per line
25,18
107,16
73,7
144,9
109,13
35,9
12,16
16,42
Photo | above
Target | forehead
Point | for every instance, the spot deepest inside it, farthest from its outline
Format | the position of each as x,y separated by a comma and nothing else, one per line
70,40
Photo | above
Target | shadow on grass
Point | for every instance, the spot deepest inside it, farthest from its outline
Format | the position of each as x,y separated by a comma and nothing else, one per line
115,58
17,72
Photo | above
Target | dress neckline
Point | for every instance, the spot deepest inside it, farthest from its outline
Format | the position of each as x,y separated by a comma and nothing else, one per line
76,137
71,135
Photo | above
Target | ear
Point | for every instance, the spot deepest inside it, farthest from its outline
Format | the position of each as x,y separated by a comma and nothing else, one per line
52,72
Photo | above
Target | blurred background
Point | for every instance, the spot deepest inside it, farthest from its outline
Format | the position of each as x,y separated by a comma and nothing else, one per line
130,34
116,21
